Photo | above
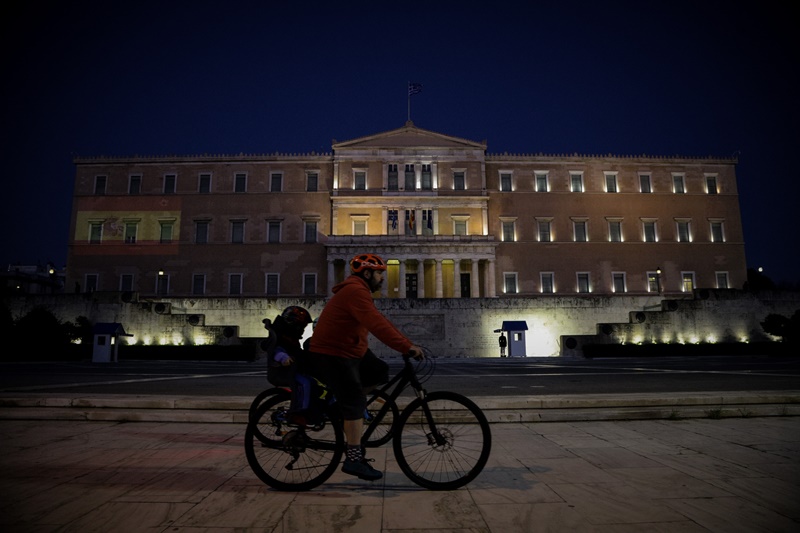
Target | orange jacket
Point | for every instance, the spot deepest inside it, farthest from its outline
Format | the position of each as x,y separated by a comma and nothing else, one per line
347,319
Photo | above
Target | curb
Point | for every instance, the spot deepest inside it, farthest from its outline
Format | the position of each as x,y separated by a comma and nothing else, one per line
498,409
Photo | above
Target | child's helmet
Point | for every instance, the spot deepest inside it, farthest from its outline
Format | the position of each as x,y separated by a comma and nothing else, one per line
296,316
366,262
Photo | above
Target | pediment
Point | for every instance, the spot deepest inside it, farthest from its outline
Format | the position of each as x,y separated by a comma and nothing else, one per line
409,136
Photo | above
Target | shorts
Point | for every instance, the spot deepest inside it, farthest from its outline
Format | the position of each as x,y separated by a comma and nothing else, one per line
347,379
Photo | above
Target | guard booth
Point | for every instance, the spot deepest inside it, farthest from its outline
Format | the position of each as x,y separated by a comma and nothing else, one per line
516,337
106,341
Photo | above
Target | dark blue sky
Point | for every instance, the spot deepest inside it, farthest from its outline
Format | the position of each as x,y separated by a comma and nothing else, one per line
687,78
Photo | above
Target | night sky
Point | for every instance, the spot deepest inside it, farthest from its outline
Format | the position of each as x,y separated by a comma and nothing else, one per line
669,78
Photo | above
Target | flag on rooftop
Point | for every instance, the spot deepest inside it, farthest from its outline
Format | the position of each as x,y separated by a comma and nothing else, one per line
414,88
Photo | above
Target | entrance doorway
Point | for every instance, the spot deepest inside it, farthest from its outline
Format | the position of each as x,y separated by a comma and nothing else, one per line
466,286
411,286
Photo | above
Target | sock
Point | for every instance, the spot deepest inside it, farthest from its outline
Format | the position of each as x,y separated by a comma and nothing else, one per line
354,453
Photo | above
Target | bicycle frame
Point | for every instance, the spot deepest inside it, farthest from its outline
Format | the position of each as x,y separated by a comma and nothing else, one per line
401,381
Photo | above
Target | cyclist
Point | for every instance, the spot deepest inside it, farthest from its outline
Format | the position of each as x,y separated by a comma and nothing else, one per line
289,327
340,356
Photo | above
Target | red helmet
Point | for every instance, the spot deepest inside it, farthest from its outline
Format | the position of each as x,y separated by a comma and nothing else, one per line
294,315
363,262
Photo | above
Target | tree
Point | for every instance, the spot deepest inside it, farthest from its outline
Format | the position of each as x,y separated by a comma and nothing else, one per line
786,328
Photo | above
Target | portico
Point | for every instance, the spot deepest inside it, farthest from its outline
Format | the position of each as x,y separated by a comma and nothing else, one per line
422,267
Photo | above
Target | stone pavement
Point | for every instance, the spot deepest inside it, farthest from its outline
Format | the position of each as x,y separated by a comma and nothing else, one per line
691,475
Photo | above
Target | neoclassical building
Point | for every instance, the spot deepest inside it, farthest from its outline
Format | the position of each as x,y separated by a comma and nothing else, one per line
452,219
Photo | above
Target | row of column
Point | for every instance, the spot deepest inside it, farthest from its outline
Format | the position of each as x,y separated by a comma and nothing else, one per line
489,290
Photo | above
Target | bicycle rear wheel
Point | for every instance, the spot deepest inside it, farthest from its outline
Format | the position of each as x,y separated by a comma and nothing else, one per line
443,441
290,457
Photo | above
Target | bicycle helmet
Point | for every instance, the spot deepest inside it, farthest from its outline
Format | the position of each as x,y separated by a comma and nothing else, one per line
363,262
294,315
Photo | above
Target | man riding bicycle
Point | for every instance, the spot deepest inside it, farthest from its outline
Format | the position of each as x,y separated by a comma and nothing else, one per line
340,355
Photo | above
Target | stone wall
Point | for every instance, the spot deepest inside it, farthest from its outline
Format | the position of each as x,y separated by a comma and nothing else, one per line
451,327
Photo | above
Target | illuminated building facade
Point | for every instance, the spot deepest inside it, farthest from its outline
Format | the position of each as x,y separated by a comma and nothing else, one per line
452,220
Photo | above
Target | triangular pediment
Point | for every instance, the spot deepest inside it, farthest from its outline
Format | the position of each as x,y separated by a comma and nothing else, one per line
409,136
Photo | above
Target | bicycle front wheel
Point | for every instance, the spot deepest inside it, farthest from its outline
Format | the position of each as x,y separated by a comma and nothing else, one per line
443,441
291,457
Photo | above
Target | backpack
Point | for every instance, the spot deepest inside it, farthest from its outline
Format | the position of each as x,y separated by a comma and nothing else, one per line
309,398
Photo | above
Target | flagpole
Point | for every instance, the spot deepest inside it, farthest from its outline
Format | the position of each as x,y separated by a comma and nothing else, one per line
409,104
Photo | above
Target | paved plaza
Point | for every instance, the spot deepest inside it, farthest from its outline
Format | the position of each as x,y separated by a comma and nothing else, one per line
723,475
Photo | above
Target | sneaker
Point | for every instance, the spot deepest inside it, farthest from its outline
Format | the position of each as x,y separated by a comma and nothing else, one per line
362,469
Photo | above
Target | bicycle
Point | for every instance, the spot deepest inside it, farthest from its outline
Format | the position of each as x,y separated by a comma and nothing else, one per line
441,440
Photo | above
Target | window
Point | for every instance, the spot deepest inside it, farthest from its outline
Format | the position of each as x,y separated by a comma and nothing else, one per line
508,231
392,222
276,182
544,230
644,183
688,281
309,284
618,282
678,184
510,282
312,182
201,231
360,180
579,230
711,184
199,284
427,222
427,178
100,185
459,180
654,282
505,181
546,282
683,231
162,283
234,284
170,183
204,183
459,227
391,179
650,231
716,232
240,182
274,231
541,182
237,231
576,182
614,231
166,232
272,284
126,282
92,282
130,232
611,183
583,282
722,280
310,231
410,178
135,184
411,222
359,227
95,232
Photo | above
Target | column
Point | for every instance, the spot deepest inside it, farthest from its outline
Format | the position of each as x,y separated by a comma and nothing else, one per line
439,291
402,280
476,287
421,278
492,289
456,278
331,274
